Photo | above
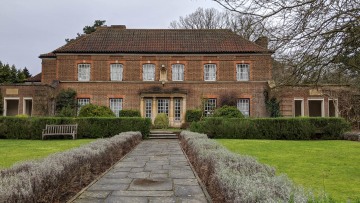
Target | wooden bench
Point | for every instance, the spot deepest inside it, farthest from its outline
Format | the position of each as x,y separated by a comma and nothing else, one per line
70,129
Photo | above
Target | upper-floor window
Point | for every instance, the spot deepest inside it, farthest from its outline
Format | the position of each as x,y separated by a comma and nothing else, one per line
242,72
83,72
210,72
116,72
209,107
177,72
244,106
116,106
148,72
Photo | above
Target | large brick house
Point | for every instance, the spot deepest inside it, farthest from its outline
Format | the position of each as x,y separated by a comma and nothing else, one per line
151,70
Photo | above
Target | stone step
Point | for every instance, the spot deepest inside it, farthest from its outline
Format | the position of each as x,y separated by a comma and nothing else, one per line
158,134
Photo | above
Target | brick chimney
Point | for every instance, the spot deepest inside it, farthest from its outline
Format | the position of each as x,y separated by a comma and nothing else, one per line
262,41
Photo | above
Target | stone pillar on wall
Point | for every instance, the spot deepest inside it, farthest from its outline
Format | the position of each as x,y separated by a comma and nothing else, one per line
171,111
154,109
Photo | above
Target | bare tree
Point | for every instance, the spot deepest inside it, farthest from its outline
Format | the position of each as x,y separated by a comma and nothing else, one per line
210,18
310,35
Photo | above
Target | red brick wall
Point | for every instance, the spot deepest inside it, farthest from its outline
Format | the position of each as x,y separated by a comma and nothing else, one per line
101,88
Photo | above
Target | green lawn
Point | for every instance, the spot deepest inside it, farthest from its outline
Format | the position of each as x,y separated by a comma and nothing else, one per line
12,151
330,166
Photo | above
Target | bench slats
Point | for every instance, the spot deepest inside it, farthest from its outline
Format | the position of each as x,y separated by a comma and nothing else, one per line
70,129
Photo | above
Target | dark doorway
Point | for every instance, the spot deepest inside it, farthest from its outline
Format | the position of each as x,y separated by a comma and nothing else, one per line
315,108
12,107
298,108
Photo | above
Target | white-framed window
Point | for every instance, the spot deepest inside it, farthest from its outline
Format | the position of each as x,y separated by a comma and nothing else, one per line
148,72
177,109
82,102
209,107
116,72
163,106
244,106
116,106
148,108
83,72
210,72
177,72
242,72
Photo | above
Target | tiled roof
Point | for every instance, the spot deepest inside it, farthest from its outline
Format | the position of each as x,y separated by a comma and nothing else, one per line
48,55
117,39
36,78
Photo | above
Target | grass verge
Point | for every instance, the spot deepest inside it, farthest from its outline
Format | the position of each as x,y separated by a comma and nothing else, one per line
13,151
330,166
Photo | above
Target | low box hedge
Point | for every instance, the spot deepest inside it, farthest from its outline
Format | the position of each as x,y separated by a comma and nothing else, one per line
60,176
31,128
272,128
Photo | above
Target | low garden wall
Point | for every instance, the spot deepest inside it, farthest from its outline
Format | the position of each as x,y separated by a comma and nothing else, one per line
272,128
31,128
229,177
60,176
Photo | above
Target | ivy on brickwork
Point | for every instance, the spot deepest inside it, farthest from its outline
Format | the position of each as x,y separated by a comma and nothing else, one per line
66,103
272,105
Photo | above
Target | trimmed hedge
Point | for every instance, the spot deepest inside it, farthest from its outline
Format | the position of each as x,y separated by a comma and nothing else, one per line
193,115
230,177
31,128
129,113
61,175
273,128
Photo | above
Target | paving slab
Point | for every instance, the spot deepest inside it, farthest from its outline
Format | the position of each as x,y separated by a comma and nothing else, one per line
155,171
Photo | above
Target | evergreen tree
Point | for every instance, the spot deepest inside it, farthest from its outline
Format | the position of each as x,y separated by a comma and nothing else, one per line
26,73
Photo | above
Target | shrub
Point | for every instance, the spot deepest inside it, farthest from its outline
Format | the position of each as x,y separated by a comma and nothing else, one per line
65,100
92,110
129,113
161,121
67,111
55,177
228,112
31,128
193,115
272,128
236,178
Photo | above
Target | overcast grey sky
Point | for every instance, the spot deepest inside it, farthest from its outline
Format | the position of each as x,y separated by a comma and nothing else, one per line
29,28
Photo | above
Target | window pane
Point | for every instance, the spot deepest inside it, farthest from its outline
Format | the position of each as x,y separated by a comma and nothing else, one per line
244,106
163,106
148,72
148,108
209,107
210,72
177,72
177,109
116,71
83,72
116,106
242,72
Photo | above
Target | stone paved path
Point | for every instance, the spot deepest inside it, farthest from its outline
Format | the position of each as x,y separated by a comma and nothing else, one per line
155,171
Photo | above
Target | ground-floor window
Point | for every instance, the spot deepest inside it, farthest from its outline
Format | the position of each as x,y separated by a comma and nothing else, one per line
82,102
177,109
244,106
209,107
116,106
163,106
148,108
